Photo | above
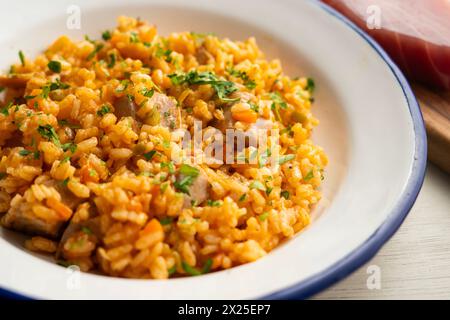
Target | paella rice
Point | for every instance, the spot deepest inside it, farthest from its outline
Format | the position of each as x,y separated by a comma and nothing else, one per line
93,169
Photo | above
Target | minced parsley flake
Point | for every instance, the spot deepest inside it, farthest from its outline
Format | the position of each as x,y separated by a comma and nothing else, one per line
285,158
257,185
22,58
54,66
309,176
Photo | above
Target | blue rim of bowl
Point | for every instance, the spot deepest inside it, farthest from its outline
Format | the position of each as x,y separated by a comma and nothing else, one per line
368,249
371,246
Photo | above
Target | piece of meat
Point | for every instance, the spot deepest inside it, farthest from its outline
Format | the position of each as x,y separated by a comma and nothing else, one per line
91,227
248,137
203,56
198,190
161,110
16,81
168,110
124,107
22,218
416,34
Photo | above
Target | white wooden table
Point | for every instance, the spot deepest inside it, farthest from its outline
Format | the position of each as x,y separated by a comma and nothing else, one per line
415,263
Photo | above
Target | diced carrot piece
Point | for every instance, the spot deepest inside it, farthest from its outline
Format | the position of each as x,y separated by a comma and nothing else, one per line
245,116
87,174
152,227
64,211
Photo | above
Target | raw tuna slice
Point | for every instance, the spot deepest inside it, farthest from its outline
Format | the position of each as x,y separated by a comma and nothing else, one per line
416,33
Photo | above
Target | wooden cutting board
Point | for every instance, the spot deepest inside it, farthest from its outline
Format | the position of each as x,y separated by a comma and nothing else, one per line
436,113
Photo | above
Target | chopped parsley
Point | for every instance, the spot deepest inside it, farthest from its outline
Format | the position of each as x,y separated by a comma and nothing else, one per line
309,176
22,58
149,155
163,187
66,159
183,184
254,107
285,158
188,170
213,203
263,216
65,182
310,85
257,185
264,158
24,152
166,220
243,197
103,110
285,194
66,123
94,52
54,66
248,83
49,133
169,166
160,52
172,270
2,175
194,271
106,35
69,146
112,60
5,110
147,93
134,37
123,86
222,88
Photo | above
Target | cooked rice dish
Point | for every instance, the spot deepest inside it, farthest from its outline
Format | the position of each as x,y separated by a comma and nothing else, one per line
93,170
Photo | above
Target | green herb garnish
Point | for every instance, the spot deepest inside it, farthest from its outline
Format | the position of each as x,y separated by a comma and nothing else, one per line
166,220
285,194
249,83
147,93
222,88
172,270
48,132
310,85
149,155
183,184
194,271
103,110
285,158
112,60
54,66
22,58
69,146
94,52
106,35
263,216
213,203
309,176
169,166
24,152
257,185
188,170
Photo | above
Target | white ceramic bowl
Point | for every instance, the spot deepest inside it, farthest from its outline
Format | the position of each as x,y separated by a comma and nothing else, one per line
371,128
